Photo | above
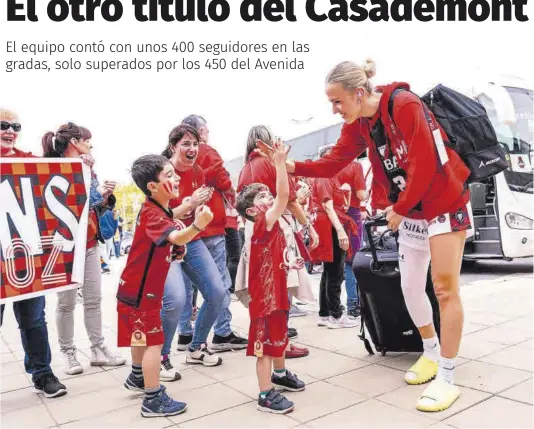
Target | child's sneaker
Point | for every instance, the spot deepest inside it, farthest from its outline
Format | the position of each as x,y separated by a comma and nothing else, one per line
168,372
135,384
276,403
288,382
202,356
162,406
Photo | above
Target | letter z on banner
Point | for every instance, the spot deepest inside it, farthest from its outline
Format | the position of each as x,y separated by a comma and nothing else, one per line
44,206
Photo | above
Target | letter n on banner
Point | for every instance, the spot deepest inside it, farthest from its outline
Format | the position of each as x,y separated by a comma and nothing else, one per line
44,207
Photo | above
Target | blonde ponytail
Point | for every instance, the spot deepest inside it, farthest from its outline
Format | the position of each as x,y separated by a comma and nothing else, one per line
352,76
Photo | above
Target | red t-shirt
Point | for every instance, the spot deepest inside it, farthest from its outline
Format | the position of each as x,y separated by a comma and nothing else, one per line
143,279
267,269
190,181
352,174
260,170
328,189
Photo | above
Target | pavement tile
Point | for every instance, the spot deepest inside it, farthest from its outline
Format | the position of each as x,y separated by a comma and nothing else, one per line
242,416
87,384
324,366
497,334
494,413
313,403
208,400
529,344
523,392
484,318
32,417
513,357
230,368
18,399
469,328
522,323
9,382
248,384
12,368
372,414
359,352
406,398
488,377
472,348
71,408
370,381
330,339
127,417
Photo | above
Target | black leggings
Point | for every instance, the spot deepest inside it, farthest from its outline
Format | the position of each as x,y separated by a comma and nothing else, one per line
331,280
233,252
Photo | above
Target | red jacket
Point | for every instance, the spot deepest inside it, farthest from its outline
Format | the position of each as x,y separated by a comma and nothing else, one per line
439,188
217,177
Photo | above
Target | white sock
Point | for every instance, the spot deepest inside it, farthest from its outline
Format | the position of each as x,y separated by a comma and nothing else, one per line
446,369
431,348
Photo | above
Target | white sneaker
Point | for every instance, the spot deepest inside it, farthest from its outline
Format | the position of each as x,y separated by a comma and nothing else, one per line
203,357
72,366
322,321
342,322
101,356
168,372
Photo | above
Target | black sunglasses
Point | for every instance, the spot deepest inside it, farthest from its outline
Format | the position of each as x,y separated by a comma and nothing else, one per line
4,125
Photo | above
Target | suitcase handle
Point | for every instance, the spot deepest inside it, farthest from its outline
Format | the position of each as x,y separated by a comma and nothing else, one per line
378,220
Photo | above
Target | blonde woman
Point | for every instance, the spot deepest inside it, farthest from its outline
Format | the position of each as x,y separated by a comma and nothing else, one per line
425,184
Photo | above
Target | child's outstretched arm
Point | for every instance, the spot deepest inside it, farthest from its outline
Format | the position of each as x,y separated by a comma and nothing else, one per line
279,157
203,217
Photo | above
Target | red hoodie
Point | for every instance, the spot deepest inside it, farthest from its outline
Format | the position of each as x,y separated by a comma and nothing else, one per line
439,188
217,177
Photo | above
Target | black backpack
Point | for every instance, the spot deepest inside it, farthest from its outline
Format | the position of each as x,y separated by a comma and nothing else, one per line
469,129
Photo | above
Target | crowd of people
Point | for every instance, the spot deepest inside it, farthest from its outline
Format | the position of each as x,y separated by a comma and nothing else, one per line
188,240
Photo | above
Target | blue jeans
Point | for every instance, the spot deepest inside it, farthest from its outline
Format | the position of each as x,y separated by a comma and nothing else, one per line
353,301
173,307
217,247
200,267
30,316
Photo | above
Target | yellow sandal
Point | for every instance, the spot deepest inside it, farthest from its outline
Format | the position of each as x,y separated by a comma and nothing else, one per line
442,393
424,370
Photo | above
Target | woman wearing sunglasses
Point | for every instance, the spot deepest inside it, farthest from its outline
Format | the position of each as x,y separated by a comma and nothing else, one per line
72,141
30,313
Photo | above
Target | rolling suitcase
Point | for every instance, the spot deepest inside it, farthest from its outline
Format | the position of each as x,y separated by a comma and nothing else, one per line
383,311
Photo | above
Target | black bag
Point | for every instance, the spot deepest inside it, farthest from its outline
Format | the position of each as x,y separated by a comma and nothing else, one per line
383,310
469,129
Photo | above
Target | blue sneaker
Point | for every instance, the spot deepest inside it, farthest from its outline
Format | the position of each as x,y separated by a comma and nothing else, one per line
162,406
135,384
276,403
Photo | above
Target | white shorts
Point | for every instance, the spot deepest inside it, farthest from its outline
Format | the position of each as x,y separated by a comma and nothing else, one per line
415,233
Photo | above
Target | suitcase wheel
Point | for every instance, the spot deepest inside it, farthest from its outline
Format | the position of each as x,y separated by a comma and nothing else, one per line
368,347
384,352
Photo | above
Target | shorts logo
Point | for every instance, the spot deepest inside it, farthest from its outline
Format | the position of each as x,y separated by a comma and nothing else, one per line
459,216
442,218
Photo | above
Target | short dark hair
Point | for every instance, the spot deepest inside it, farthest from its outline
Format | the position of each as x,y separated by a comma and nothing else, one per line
146,169
195,121
245,199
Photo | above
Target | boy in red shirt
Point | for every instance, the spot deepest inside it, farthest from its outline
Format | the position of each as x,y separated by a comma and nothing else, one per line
157,241
269,306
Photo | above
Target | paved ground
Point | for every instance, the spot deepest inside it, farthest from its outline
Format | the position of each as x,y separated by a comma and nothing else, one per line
346,386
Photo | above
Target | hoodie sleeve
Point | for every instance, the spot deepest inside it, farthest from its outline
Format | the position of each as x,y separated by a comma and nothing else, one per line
421,157
214,172
349,145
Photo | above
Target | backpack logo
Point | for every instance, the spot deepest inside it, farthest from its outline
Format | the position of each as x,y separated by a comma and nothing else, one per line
491,161
382,150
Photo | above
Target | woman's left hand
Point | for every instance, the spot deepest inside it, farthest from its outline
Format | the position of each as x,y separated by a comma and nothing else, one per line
393,219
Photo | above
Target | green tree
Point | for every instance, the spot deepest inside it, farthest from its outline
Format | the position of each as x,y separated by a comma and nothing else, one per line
129,201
